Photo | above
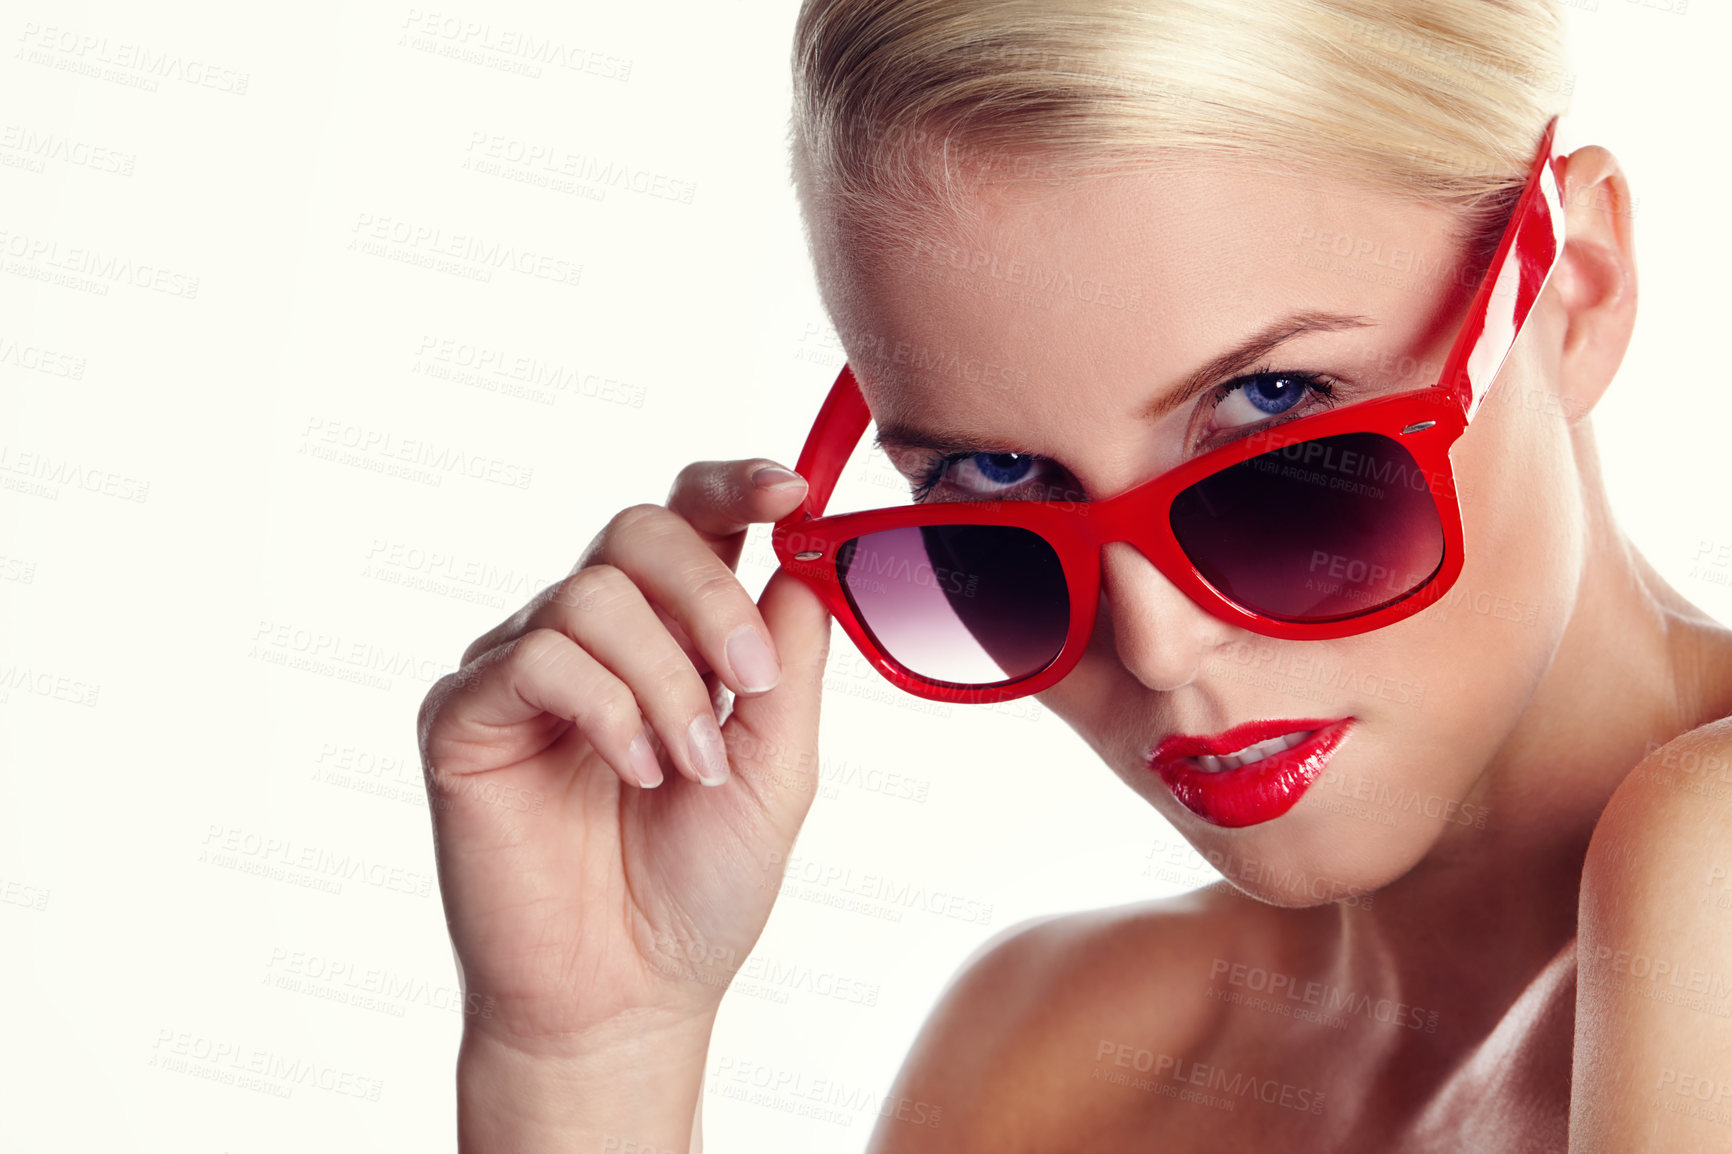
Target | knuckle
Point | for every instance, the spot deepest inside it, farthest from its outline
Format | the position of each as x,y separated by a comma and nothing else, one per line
428,716
538,650
713,585
614,712
676,679
637,518
691,475
479,646
704,479
592,587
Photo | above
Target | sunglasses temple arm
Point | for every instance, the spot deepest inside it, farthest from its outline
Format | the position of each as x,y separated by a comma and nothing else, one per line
1518,272
834,436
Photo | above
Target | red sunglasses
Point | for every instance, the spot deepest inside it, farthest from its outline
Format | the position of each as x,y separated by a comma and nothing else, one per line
1322,526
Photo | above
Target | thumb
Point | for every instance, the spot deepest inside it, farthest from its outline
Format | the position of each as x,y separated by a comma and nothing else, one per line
772,737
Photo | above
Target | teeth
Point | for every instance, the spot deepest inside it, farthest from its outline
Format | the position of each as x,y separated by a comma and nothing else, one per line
1209,763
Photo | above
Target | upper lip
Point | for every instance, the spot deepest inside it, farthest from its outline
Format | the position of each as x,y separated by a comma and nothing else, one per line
1178,745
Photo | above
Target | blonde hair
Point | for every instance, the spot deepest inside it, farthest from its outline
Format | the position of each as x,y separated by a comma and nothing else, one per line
901,105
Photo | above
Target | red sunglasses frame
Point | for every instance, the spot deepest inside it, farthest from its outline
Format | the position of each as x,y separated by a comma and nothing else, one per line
1426,422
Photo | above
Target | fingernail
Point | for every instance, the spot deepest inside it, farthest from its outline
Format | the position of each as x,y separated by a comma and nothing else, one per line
709,754
753,664
774,477
643,761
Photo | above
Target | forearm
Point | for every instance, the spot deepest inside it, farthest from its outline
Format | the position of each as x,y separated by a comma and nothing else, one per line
636,1094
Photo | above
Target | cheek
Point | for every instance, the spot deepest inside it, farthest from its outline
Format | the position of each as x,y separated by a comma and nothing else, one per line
1520,509
1484,647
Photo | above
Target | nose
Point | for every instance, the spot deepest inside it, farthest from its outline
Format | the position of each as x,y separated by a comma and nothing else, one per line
1160,634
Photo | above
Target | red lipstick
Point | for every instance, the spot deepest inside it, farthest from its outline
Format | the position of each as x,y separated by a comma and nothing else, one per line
1255,791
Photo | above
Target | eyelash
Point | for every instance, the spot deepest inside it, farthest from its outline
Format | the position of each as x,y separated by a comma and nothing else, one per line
933,472
1317,387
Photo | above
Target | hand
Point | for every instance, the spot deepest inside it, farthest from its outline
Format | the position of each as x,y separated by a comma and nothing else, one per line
583,868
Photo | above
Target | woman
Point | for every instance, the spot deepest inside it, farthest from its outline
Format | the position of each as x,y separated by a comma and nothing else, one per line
1187,226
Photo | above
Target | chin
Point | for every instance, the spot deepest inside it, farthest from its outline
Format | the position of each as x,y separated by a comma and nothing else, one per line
1326,849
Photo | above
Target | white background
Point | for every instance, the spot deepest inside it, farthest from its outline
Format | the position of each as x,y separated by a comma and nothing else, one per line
149,713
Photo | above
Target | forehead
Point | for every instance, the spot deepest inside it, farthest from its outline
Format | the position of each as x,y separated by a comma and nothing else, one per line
1051,294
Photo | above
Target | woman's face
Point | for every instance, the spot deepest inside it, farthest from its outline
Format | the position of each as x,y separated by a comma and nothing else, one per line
1062,321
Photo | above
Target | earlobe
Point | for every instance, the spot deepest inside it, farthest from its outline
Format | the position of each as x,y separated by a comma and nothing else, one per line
1595,281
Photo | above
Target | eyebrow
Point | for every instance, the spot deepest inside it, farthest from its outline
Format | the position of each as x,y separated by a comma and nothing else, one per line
902,434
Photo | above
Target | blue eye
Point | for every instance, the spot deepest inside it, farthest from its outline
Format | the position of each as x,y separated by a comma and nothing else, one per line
1274,394
1261,395
1001,468
994,471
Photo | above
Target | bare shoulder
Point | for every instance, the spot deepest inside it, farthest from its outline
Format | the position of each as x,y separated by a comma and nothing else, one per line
1680,791
1654,951
1013,1053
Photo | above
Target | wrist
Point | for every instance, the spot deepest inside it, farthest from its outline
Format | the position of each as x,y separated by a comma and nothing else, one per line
630,1086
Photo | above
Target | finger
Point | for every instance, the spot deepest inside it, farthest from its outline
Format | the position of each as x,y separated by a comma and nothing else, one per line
682,576
540,673
605,612
721,499
772,737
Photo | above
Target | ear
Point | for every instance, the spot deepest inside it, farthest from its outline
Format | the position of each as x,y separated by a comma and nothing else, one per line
1596,278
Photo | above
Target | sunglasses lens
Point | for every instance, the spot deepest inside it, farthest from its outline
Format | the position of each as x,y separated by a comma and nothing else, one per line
1330,528
971,605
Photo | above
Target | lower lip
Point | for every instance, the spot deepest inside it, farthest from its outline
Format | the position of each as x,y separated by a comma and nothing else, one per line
1254,793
